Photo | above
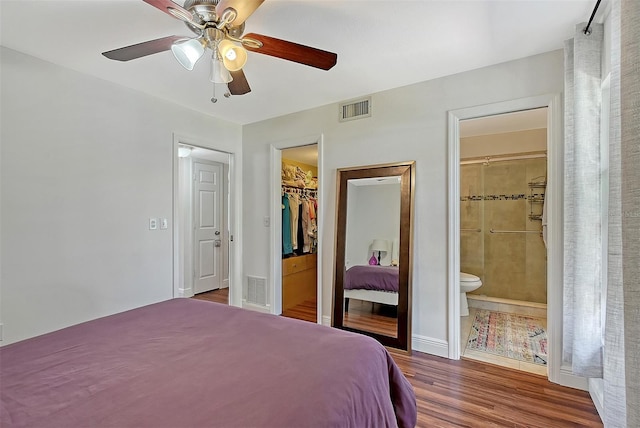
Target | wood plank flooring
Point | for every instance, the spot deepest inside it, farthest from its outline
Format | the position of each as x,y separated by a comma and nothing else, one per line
474,394
219,296
372,317
467,393
305,311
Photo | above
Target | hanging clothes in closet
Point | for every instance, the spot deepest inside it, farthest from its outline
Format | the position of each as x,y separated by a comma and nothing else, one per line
287,247
299,225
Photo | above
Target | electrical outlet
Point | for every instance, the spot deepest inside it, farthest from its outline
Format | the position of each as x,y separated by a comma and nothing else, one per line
153,223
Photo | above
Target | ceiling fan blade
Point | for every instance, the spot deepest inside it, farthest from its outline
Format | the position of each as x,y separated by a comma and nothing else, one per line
239,84
243,9
293,52
171,8
142,49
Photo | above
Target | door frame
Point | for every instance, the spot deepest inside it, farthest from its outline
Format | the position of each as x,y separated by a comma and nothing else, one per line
555,178
234,211
275,258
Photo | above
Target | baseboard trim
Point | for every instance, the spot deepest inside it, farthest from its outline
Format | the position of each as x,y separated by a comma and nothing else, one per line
567,378
429,345
257,308
185,292
596,391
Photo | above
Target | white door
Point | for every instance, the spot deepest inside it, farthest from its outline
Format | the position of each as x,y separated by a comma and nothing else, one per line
208,229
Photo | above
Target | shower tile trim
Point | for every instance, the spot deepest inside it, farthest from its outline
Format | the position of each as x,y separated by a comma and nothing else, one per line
476,198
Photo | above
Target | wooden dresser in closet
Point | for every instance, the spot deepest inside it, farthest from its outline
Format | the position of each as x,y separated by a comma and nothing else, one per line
299,275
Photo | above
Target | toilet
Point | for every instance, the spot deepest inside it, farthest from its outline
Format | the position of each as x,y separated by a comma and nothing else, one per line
468,283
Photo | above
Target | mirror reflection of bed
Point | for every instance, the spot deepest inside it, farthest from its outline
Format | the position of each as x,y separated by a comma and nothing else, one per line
371,299
371,250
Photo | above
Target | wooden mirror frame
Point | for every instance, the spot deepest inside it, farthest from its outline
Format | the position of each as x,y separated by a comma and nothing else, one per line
406,170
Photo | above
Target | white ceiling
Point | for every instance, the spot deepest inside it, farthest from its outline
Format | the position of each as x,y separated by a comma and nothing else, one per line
380,45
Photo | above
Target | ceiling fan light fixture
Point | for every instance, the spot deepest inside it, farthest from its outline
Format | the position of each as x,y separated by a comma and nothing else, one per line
228,16
234,56
188,52
219,73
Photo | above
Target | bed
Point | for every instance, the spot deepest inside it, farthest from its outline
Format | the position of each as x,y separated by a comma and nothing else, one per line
378,284
192,363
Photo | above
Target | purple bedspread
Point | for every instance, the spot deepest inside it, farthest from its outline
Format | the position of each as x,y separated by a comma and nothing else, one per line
191,363
381,278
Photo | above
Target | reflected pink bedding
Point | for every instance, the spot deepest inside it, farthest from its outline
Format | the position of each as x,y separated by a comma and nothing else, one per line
381,278
190,363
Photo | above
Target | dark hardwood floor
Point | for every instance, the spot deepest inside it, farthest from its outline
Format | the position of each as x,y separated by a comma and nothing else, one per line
467,393
473,394
305,311
220,295
373,317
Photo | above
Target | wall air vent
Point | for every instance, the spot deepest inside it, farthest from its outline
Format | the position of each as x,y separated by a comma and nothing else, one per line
357,109
256,290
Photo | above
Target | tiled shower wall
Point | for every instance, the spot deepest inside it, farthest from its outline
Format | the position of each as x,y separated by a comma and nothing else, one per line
498,196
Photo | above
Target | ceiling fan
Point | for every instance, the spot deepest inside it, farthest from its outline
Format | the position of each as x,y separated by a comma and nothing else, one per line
219,27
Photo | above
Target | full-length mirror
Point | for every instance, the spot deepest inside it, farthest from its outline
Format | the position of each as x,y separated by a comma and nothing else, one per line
372,284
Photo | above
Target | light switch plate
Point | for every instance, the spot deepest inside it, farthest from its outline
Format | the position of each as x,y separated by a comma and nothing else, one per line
164,223
266,222
153,223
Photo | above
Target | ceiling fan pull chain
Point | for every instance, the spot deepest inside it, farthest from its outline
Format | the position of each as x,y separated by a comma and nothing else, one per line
214,99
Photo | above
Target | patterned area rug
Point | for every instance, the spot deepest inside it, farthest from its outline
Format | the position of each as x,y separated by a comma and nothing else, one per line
509,335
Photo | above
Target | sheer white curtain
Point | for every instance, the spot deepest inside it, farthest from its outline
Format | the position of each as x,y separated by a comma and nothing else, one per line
622,331
618,362
582,326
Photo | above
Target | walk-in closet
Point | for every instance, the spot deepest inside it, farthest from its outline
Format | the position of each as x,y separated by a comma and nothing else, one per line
299,232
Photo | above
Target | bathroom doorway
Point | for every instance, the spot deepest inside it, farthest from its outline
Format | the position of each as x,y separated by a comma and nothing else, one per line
554,237
503,179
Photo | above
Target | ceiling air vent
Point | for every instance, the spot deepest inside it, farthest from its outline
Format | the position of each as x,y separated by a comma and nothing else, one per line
358,109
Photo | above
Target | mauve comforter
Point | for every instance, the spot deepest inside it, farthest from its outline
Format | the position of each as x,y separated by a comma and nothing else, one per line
190,363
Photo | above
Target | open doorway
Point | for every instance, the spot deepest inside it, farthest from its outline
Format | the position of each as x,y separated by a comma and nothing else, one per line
274,221
503,258
299,197
203,222
554,196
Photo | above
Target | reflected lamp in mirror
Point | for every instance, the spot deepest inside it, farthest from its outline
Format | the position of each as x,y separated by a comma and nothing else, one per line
379,245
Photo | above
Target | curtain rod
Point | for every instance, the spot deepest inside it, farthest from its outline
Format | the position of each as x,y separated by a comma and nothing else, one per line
587,31
498,158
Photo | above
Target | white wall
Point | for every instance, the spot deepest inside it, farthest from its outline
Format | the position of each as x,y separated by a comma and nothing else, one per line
373,212
85,163
408,123
532,140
